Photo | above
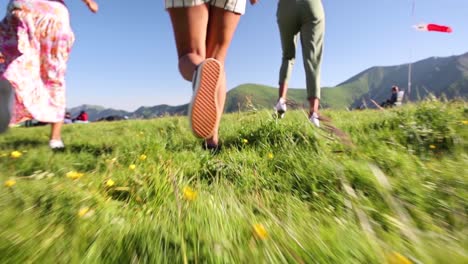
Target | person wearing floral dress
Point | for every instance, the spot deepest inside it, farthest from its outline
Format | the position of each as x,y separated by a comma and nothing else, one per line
35,43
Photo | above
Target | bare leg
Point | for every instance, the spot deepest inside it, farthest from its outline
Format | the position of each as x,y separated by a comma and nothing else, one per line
314,103
190,26
55,131
283,90
221,29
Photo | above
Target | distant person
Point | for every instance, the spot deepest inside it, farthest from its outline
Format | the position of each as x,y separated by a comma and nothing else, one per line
395,99
68,118
307,19
203,30
82,118
35,40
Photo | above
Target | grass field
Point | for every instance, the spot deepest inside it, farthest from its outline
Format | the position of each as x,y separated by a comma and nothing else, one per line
280,191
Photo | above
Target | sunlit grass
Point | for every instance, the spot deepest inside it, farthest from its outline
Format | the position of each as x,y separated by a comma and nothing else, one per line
146,191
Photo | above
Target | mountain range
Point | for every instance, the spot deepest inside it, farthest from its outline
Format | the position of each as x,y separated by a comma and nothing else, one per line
439,76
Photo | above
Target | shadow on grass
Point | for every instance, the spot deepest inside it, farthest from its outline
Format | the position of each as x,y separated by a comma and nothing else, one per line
91,149
20,144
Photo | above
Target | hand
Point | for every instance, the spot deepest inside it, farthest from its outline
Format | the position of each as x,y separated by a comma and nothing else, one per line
253,2
92,6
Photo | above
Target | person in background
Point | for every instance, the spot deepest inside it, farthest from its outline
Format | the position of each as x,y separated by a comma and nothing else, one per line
35,41
394,99
68,118
82,118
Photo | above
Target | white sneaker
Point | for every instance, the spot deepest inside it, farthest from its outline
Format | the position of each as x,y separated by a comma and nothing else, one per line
55,144
314,118
6,99
281,107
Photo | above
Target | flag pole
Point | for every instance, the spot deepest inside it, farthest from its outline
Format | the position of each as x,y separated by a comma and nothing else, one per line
410,64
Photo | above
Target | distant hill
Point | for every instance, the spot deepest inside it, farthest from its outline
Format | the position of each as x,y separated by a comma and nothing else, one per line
160,110
439,76
248,96
96,112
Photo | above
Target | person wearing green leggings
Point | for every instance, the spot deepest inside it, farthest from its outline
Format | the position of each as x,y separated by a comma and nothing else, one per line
307,19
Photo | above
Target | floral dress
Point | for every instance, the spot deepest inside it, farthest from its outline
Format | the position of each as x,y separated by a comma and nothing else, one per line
35,42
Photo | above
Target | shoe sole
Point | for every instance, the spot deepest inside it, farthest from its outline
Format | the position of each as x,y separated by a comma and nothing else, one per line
5,107
203,110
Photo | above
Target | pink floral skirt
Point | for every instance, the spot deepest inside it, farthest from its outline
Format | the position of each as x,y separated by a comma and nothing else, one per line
35,43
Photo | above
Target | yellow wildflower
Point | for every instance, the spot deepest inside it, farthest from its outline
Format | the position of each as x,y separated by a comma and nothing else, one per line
270,155
245,141
465,122
397,258
83,211
10,183
132,167
260,231
16,154
432,147
110,183
189,194
74,175
143,157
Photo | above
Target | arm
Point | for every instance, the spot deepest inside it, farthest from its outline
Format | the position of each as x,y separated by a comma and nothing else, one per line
92,6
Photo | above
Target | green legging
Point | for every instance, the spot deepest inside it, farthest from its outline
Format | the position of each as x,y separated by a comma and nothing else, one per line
307,18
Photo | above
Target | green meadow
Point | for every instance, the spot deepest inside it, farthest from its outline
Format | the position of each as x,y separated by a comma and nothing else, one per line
280,191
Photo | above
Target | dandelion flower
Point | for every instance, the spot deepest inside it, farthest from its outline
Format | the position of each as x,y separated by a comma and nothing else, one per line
83,211
432,147
465,122
74,175
270,155
245,141
260,231
110,183
397,258
16,154
10,183
132,167
189,194
143,157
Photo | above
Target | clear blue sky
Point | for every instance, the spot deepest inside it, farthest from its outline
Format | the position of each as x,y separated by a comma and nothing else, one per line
124,57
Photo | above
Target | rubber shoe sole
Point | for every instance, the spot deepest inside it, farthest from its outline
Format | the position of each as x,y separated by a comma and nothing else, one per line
203,111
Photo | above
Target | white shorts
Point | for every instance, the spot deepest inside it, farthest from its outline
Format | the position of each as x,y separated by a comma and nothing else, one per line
235,6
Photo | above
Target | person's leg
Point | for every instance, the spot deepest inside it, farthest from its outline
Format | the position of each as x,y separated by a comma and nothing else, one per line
312,38
5,104
55,131
190,26
221,28
288,28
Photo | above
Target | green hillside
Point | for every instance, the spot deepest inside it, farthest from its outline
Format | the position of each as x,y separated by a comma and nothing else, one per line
260,96
280,191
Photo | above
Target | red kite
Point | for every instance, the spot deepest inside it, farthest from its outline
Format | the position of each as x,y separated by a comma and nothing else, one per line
433,27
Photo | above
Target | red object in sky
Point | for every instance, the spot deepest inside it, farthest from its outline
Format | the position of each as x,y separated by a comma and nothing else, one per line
439,28
433,27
